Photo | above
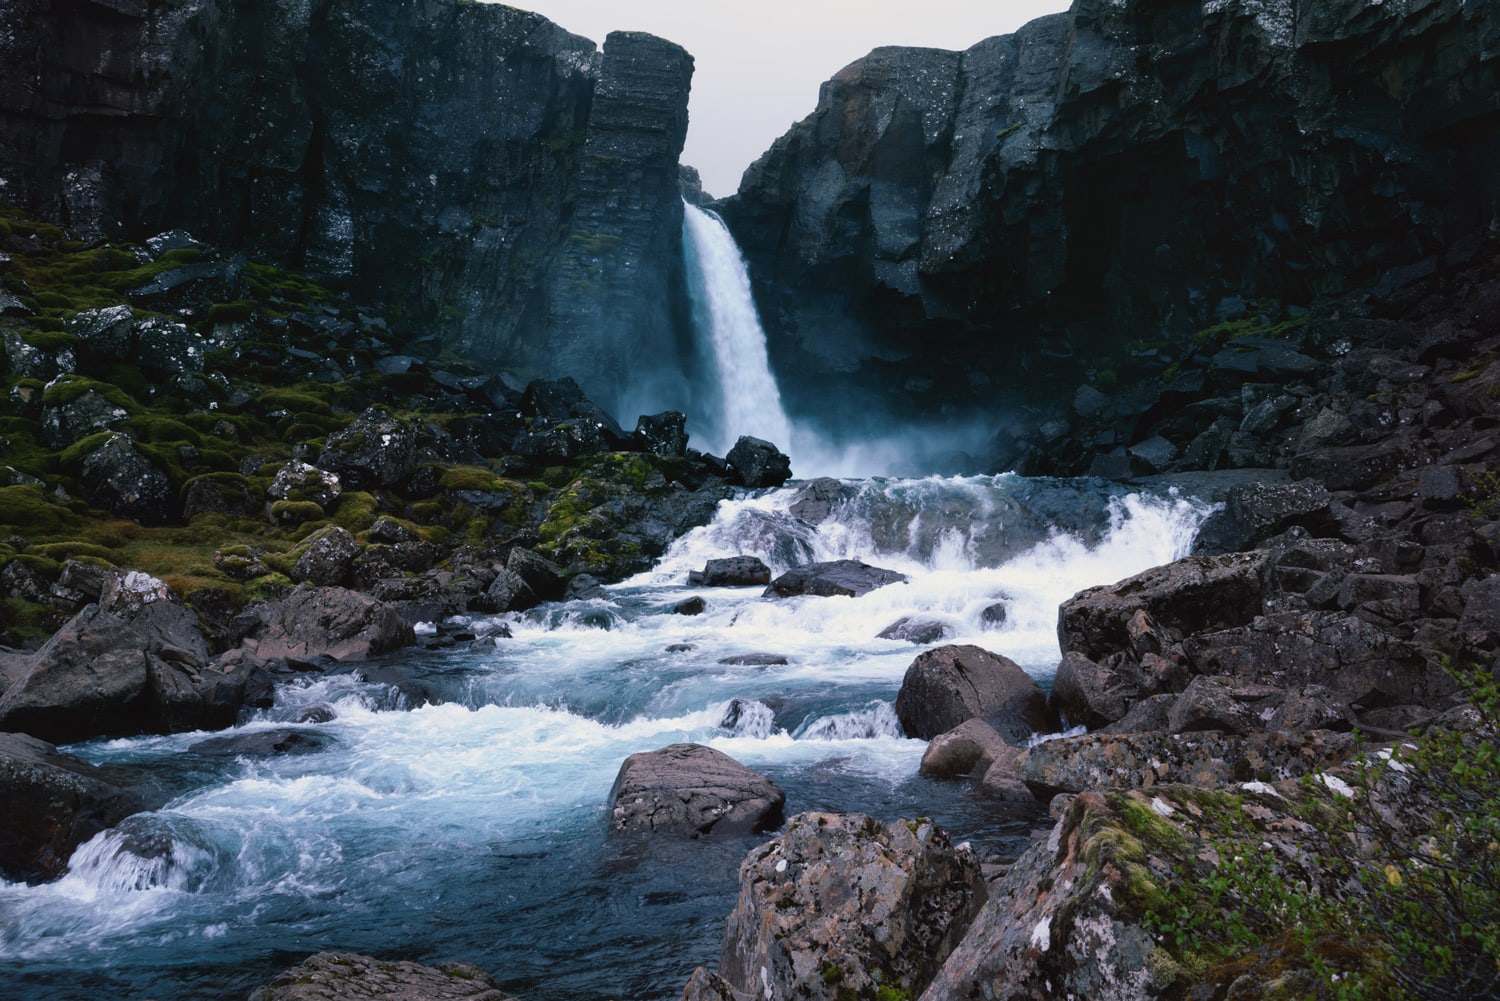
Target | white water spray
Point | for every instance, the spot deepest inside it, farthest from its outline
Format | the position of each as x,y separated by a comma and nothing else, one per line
747,400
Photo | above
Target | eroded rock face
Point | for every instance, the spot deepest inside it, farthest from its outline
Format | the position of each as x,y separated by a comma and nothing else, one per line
689,790
950,685
522,197
1077,158
337,976
50,803
843,906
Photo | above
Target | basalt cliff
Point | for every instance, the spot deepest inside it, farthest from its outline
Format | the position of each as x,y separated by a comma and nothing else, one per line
473,168
949,229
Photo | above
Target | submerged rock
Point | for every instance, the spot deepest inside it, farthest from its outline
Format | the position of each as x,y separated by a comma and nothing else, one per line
335,976
50,803
846,906
916,630
261,744
846,578
689,790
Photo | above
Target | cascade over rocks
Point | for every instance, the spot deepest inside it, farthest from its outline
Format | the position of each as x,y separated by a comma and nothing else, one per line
843,906
689,790
50,803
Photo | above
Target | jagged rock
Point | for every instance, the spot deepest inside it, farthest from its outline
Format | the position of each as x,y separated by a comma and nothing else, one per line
1209,759
563,400
845,906
376,451
1254,512
50,803
914,630
339,976
705,985
953,684
22,361
107,333
663,434
390,531
689,790
83,415
136,662
731,571
756,463
322,622
1215,703
329,558
846,578
118,478
165,347
545,579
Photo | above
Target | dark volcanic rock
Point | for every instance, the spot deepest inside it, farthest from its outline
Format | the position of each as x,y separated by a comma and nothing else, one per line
135,662
328,560
50,803
522,198
731,571
842,905
914,630
376,450
663,434
340,976
690,790
950,685
848,578
756,463
118,478
322,621
1073,179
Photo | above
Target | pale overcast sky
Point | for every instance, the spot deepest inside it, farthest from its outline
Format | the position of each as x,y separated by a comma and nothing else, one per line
759,63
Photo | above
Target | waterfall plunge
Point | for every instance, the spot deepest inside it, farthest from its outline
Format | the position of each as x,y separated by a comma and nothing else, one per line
744,398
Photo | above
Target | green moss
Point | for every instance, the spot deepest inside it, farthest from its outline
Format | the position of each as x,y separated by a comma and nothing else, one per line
62,551
28,511
473,478
356,511
50,341
67,388
295,512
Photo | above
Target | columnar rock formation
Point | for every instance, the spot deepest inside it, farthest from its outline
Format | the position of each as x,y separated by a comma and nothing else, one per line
955,223
466,165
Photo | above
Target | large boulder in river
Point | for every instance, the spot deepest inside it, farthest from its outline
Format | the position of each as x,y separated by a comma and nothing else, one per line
314,622
731,571
50,803
341,976
953,684
691,790
845,906
846,578
136,662
756,463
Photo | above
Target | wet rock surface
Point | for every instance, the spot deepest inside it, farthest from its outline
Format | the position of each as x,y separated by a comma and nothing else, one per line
339,976
946,687
689,790
846,578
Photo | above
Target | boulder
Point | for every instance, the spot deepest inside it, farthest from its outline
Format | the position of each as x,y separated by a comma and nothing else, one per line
923,632
847,578
971,747
663,434
563,400
690,606
1253,512
845,906
329,558
136,662
1217,703
118,478
731,571
376,451
546,580
689,790
334,976
322,622
756,463
50,803
953,684
1089,694
301,481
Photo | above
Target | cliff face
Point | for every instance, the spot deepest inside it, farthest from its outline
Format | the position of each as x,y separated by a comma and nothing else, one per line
432,155
949,222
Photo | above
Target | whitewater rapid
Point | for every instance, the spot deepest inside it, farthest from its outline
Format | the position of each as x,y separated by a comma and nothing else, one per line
458,807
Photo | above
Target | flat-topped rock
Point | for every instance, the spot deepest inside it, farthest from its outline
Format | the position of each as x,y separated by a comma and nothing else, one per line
847,578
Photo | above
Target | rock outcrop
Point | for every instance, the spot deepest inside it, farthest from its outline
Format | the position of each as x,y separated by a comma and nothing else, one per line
474,167
845,906
963,222
341,976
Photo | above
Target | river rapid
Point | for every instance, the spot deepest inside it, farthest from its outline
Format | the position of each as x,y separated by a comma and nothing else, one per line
457,807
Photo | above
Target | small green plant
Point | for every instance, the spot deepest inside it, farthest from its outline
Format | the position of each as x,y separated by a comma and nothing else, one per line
1483,496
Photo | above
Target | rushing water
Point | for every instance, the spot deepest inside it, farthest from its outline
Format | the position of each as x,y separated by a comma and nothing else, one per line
458,809
744,397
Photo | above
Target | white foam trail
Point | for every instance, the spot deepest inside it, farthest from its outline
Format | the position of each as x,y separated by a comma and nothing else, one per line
748,399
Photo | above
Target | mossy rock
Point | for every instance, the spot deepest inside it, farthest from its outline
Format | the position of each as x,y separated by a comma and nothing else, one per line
295,512
356,511
67,388
29,512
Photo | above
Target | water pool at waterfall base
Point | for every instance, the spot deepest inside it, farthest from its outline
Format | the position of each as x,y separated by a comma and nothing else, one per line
457,808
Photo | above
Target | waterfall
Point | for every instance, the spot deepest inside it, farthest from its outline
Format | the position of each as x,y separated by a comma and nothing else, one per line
743,398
